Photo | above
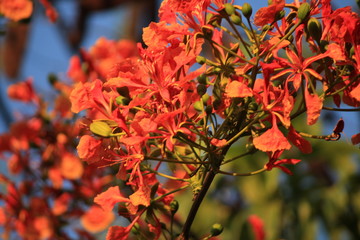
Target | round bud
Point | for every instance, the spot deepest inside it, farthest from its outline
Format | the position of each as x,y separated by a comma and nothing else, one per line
121,100
247,10
52,78
202,79
208,109
201,60
174,206
205,98
314,29
198,106
201,89
217,70
229,9
304,11
216,229
236,19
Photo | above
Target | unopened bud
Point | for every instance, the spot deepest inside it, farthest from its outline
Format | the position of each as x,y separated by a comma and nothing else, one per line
247,10
304,11
201,60
198,106
174,206
208,109
100,128
314,29
202,79
279,15
216,229
236,19
201,89
120,100
229,9
205,98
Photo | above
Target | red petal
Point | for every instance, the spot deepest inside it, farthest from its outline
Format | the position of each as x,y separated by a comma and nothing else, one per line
272,140
299,141
238,89
314,105
109,198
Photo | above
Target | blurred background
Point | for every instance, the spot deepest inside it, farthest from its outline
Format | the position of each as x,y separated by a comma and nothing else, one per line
320,201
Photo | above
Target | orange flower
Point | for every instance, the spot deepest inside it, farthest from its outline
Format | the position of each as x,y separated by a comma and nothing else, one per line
109,198
89,148
267,14
43,227
71,167
16,9
272,140
61,204
238,89
22,91
96,219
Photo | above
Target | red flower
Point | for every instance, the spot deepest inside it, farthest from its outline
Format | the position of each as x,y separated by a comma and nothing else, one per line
267,14
272,140
109,198
275,162
257,226
16,9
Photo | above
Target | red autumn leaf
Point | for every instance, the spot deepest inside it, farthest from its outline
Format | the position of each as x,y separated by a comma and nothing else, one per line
313,105
238,89
272,140
299,141
109,198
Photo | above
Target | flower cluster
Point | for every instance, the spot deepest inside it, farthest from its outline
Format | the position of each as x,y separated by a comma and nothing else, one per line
160,118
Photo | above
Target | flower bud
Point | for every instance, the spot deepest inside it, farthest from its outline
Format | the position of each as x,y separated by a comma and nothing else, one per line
279,15
201,60
217,70
52,78
202,79
100,128
304,11
174,206
198,106
236,19
314,29
208,109
216,229
247,10
201,89
205,98
120,100
229,9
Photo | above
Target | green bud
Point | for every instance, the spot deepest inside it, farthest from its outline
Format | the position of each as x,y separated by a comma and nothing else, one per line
201,60
280,15
174,206
352,51
100,128
209,17
229,9
216,229
247,10
217,70
304,11
314,29
198,106
208,109
253,106
235,19
202,79
52,78
270,2
201,89
205,98
120,100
